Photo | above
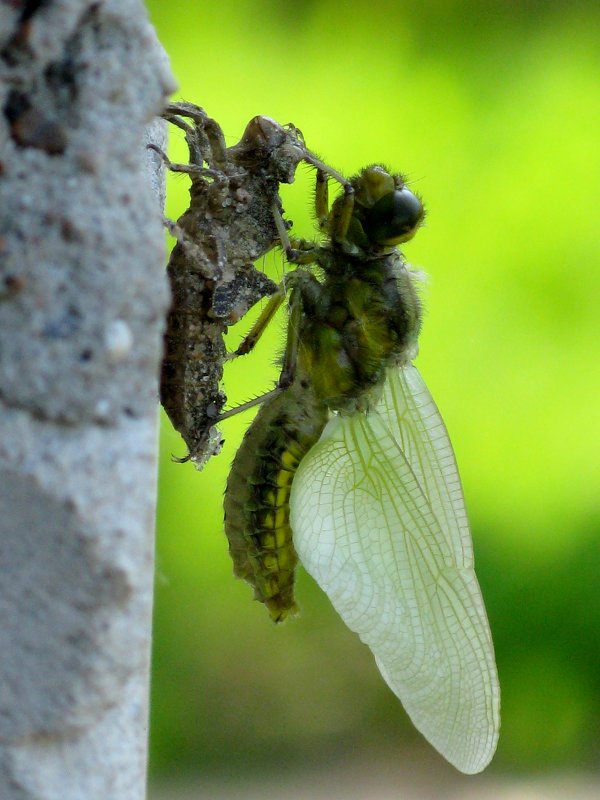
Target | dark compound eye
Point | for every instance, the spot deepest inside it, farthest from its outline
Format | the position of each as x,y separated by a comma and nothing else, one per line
394,218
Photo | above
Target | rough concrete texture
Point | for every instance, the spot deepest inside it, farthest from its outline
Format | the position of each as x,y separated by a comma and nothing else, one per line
73,192
82,303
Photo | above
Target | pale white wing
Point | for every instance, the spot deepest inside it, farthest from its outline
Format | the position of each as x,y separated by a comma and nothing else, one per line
413,419
365,530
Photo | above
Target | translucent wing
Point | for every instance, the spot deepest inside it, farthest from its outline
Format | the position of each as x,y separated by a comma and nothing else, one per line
384,533
414,421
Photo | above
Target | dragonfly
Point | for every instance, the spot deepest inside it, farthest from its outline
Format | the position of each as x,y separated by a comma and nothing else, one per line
348,468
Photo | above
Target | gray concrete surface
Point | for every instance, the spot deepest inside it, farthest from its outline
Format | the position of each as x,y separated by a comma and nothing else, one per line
82,304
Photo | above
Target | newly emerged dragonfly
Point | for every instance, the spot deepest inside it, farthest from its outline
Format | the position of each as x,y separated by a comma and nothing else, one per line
348,467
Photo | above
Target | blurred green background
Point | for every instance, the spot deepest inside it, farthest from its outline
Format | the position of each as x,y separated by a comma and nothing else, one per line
493,112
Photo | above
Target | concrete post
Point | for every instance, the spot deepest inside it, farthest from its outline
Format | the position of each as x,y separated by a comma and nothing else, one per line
82,304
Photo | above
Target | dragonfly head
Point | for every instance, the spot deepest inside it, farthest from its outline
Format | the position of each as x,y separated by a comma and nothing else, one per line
386,213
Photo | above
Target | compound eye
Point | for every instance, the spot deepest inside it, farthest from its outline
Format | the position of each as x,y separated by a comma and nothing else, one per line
394,218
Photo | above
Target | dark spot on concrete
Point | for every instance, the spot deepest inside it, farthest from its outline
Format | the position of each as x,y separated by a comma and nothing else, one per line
68,231
29,127
14,283
64,326
17,48
61,77
31,7
17,103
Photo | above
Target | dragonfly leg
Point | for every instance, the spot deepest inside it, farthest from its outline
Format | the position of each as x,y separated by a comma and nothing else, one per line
245,406
341,222
322,199
288,370
259,327
321,166
272,307
297,251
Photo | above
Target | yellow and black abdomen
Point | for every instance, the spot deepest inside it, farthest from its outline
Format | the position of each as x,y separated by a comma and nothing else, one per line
258,493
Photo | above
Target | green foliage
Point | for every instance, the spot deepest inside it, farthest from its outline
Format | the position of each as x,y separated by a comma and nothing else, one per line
492,111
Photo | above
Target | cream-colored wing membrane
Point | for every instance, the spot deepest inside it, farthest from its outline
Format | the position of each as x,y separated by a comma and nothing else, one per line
415,423
365,530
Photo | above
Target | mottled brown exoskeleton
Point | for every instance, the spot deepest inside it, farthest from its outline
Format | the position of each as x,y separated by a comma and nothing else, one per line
228,226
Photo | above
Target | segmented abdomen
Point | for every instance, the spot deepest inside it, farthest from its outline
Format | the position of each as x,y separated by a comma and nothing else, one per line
258,493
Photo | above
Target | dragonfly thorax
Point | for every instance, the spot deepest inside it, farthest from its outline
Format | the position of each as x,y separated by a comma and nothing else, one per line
364,316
